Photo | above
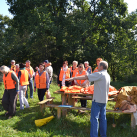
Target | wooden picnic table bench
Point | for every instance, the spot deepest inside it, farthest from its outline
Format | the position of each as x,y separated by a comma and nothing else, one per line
82,98
68,97
43,103
88,98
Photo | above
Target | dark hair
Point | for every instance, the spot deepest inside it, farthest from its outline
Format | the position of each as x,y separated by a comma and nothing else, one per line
22,65
65,62
42,65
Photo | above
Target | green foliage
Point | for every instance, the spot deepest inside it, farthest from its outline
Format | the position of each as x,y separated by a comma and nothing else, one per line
131,78
71,30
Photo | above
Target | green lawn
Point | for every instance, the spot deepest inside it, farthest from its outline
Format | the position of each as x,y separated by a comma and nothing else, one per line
74,125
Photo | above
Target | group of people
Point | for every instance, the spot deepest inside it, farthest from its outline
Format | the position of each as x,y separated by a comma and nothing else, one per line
101,81
74,71
82,76
18,77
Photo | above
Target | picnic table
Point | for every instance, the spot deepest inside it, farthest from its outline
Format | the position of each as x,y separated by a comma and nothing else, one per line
70,97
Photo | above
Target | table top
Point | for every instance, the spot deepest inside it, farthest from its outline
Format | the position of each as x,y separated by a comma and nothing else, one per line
82,94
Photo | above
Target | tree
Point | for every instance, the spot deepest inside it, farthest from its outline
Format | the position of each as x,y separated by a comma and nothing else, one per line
75,30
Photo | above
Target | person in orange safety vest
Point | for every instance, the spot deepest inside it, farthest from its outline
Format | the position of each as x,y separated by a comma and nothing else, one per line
41,81
31,73
13,66
82,83
87,67
73,70
98,60
63,74
11,84
81,71
23,76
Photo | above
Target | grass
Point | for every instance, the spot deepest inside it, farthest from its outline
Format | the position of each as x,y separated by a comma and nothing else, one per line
74,125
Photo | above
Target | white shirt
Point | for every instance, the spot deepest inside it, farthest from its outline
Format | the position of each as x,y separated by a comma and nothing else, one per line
49,70
64,75
101,85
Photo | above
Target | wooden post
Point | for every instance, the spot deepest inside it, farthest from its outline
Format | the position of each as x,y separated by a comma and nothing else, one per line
63,97
42,107
58,113
64,112
64,102
71,100
133,121
51,102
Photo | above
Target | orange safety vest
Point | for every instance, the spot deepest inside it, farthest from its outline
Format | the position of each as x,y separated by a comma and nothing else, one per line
13,68
62,73
40,80
86,68
74,71
30,70
24,78
95,70
9,83
83,73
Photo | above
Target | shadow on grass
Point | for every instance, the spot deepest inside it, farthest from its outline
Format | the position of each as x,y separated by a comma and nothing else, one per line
2,113
123,125
68,126
76,125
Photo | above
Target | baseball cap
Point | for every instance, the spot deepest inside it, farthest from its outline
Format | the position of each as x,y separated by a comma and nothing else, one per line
46,61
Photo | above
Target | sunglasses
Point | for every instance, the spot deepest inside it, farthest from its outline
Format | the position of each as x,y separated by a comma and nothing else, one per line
80,66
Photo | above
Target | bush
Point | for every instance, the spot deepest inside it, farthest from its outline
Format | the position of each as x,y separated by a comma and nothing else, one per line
131,78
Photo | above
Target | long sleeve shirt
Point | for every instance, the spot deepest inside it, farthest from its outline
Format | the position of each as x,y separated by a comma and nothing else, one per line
15,78
49,69
101,85
89,70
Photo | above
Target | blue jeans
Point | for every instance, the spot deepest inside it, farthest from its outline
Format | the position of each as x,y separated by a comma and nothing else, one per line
31,89
98,112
